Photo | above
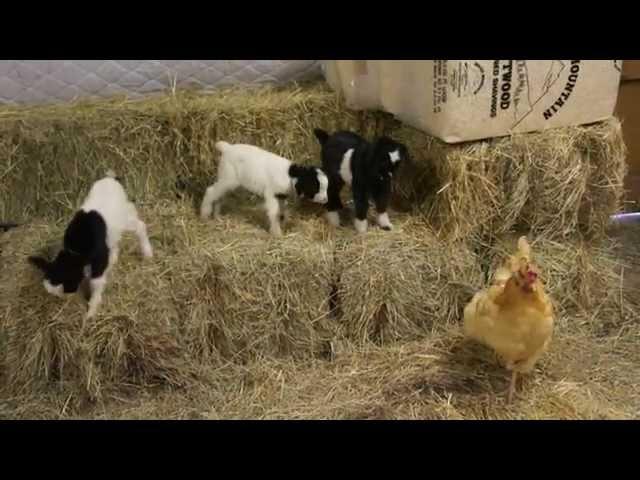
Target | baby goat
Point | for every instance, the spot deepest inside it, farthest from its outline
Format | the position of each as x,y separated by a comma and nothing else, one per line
366,167
91,241
265,174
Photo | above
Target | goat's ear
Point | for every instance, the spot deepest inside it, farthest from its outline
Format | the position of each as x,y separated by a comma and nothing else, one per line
295,170
321,135
40,263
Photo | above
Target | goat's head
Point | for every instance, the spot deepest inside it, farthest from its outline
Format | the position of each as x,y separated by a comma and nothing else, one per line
391,155
310,183
63,275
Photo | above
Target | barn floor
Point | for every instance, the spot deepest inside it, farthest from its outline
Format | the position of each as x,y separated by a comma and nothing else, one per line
586,375
584,378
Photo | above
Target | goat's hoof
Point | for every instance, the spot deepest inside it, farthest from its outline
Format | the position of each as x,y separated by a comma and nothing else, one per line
333,218
361,226
387,228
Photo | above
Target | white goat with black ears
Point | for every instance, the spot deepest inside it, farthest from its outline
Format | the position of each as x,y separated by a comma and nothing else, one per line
91,241
266,174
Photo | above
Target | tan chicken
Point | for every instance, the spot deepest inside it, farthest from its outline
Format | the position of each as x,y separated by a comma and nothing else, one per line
513,316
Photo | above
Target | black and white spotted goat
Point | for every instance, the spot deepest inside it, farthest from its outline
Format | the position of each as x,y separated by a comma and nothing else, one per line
266,174
90,246
367,167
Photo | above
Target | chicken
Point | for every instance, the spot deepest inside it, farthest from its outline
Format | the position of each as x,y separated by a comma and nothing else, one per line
513,316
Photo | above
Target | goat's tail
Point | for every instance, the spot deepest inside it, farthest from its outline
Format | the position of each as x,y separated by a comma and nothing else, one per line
321,135
222,146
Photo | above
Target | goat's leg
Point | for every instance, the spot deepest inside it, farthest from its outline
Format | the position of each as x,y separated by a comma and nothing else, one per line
283,206
226,182
137,226
381,199
113,257
143,238
361,203
212,197
273,213
99,269
334,204
97,287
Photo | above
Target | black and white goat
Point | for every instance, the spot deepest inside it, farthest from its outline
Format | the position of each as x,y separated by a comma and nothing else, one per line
91,239
367,167
266,174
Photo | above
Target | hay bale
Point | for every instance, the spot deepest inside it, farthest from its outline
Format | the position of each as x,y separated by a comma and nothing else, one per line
226,291
48,154
554,183
402,284
267,359
133,341
214,292
51,154
164,145
443,377
245,293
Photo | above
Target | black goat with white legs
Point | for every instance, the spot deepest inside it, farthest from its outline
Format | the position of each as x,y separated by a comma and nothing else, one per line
90,246
367,167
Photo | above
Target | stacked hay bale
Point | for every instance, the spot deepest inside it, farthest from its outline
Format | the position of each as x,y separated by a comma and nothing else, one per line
158,145
557,183
558,187
214,293
226,292
402,285
47,341
246,294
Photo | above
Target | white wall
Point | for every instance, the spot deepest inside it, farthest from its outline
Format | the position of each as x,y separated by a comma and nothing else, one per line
45,81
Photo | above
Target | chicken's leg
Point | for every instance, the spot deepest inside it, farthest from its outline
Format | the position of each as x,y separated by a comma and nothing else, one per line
512,386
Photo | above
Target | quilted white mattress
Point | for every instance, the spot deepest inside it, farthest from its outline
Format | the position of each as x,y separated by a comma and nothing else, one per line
45,81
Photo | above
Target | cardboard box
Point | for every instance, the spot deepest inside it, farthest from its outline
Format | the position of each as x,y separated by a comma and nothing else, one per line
462,100
628,110
630,70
